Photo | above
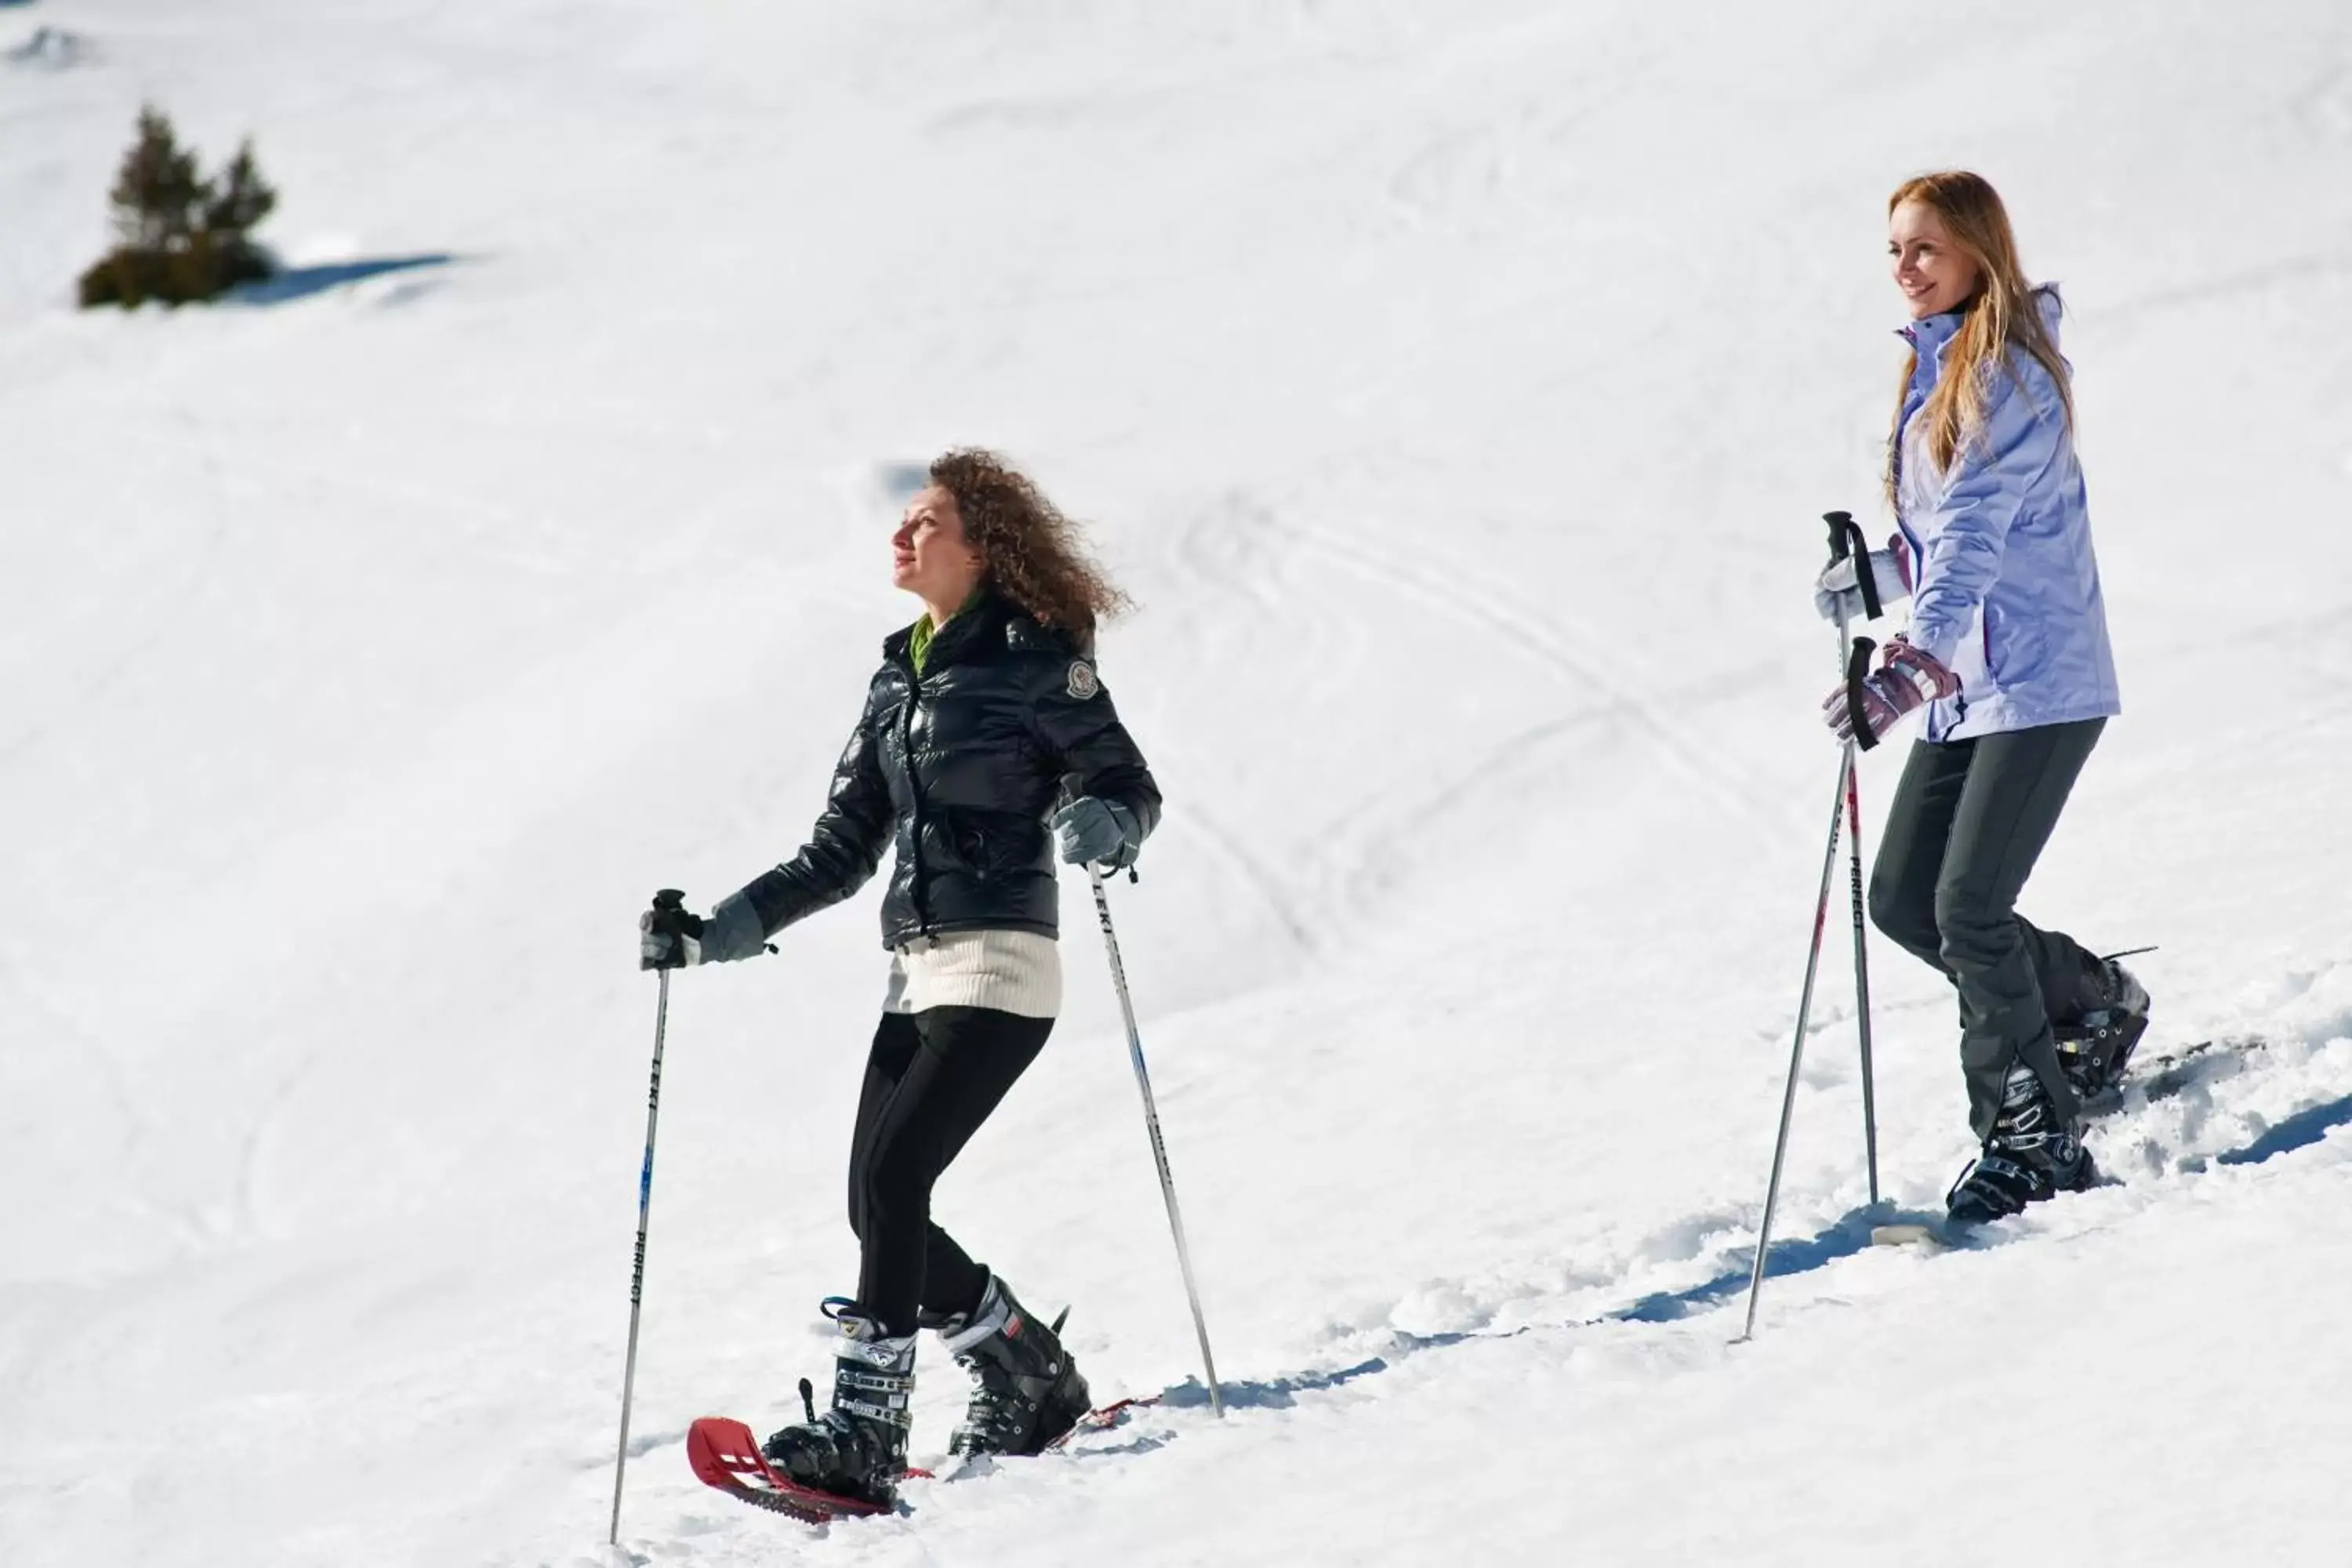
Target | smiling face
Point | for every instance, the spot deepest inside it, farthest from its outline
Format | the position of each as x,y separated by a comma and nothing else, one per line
1933,273
930,556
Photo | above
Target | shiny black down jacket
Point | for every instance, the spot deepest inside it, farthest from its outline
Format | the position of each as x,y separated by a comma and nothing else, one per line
958,769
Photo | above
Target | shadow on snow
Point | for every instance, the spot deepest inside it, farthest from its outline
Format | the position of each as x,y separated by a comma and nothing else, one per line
2300,1131
302,282
1800,1254
1281,1393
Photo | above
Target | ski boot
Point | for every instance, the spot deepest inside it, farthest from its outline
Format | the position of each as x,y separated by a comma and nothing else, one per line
2029,1156
2096,1050
858,1448
1026,1390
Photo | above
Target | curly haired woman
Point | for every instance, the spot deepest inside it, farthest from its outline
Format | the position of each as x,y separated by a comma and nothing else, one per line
986,735
2008,653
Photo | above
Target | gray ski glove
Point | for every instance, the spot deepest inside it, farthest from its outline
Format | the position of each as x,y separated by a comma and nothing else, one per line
733,932
1837,592
1098,832
671,936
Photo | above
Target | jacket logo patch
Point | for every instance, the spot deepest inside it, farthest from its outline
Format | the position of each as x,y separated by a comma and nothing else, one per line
1084,683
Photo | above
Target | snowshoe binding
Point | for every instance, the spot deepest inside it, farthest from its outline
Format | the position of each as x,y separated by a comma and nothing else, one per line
1027,1392
2031,1156
2096,1050
857,1449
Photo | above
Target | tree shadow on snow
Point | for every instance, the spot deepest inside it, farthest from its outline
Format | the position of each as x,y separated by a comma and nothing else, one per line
2300,1131
302,282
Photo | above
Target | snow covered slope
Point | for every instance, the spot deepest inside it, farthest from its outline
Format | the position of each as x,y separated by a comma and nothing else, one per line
1458,388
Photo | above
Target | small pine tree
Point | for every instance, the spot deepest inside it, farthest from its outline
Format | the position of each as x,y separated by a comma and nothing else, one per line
237,199
157,194
180,236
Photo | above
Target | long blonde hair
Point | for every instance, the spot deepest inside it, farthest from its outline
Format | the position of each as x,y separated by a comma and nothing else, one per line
2002,315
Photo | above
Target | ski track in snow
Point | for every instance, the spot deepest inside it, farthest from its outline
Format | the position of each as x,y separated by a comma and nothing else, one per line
2213,1124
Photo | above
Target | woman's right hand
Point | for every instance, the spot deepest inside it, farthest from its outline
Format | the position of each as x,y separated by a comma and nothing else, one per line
670,936
1837,592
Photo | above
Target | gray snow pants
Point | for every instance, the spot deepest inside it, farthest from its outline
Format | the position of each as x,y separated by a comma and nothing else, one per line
1968,820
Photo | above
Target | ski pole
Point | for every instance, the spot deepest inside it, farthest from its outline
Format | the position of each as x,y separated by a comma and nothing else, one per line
1862,972
1846,539
666,898
1797,1051
1159,1146
1853,659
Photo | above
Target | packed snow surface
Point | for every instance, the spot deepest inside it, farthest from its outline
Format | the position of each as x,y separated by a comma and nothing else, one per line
1458,388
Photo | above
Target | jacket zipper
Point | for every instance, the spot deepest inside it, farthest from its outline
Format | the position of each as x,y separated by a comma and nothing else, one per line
915,799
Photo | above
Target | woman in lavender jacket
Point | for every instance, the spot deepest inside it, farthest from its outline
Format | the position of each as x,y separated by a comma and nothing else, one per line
2007,653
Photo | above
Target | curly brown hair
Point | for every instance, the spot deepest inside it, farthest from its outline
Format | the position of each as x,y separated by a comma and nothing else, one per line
1032,553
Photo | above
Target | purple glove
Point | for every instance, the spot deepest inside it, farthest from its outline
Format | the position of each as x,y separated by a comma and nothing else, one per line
1906,679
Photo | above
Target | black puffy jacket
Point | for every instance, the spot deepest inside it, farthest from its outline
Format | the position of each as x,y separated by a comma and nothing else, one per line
959,768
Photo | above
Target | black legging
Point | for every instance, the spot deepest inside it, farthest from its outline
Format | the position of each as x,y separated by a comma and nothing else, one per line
931,1080
1968,822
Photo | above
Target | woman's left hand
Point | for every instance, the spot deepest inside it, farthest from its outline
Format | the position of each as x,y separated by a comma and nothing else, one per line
1907,678
1098,832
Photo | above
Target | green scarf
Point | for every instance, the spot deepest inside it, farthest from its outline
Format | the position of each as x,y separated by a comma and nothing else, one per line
920,635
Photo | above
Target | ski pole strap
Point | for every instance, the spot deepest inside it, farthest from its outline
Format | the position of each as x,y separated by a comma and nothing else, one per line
1857,665
1846,537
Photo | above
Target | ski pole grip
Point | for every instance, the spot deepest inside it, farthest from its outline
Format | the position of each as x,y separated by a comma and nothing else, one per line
1857,665
1846,537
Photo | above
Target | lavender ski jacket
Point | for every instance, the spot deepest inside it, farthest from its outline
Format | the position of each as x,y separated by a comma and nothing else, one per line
2004,586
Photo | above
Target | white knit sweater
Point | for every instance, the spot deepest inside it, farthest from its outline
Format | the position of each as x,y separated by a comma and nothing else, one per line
1011,971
